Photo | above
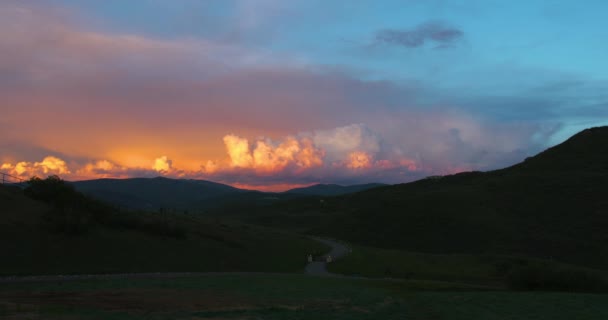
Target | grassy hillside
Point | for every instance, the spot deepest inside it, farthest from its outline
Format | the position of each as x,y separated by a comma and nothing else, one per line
551,206
512,272
333,189
155,193
78,235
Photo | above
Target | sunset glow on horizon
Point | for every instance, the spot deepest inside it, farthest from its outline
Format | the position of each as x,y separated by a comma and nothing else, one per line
271,95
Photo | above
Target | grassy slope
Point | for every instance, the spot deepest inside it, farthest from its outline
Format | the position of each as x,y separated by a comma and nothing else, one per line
333,189
285,297
552,206
28,247
491,270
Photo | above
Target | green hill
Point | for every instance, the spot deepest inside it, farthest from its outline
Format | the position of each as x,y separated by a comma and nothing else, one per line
195,195
56,230
551,206
155,193
333,189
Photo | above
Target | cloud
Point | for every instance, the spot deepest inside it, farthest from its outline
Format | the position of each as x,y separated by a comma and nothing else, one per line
105,96
359,160
270,156
436,32
48,166
41,44
162,164
238,150
52,165
355,153
342,141
341,154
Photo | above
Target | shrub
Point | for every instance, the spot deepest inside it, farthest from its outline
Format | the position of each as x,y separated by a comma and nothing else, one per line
51,190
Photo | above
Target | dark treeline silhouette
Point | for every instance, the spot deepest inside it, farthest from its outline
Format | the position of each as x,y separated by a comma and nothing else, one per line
74,213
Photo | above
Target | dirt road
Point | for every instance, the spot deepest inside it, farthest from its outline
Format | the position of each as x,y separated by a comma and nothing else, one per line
319,268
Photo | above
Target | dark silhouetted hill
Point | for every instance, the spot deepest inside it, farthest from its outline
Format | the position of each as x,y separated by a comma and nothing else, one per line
553,205
195,195
155,193
50,228
333,189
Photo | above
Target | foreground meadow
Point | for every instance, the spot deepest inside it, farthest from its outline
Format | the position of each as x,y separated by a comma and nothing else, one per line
267,296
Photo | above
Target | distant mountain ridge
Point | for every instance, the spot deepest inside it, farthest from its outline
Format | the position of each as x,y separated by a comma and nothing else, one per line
154,193
333,189
185,194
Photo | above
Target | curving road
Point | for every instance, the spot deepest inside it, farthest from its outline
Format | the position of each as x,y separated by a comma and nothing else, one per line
319,268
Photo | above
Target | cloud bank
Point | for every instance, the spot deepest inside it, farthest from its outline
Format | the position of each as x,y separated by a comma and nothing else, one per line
348,154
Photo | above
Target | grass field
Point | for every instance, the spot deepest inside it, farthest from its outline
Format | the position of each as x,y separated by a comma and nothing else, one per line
493,270
28,246
117,251
285,297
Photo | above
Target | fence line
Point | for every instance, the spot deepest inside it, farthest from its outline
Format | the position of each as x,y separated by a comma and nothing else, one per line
10,179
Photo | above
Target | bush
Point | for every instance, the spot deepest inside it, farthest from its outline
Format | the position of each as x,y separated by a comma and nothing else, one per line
51,190
553,278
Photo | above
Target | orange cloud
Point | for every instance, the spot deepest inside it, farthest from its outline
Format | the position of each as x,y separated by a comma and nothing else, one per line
270,157
49,165
347,155
238,151
100,169
52,164
162,164
210,167
359,160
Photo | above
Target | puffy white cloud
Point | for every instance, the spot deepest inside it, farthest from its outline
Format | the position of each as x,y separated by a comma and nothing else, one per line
341,142
269,156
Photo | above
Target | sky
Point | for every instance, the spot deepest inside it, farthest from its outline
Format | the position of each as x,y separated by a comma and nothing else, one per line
274,94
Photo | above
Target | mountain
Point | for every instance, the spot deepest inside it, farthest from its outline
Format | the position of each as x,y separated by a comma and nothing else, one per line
182,194
155,193
553,205
333,189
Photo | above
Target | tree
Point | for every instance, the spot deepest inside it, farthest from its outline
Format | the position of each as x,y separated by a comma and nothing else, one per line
69,214
51,190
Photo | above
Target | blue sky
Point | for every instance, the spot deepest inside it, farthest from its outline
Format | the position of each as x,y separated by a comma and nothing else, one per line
484,83
506,47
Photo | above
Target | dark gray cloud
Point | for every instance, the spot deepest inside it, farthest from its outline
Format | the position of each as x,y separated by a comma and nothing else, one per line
435,32
26,151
